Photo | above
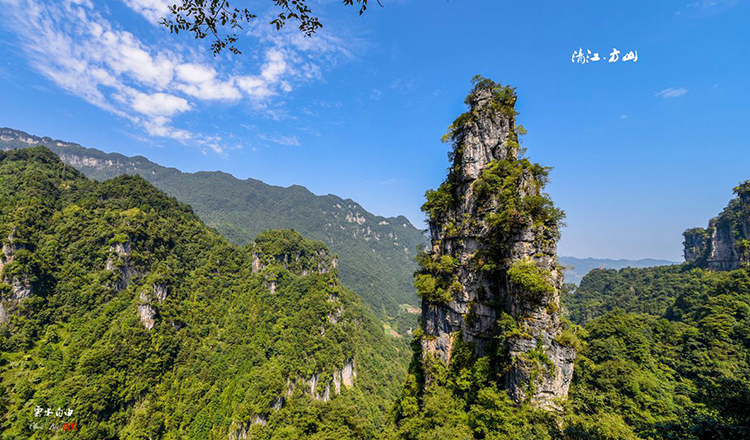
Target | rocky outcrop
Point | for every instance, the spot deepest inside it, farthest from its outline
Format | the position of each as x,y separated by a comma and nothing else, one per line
311,387
300,257
19,282
119,262
146,309
725,244
314,388
343,377
492,276
242,432
300,263
696,244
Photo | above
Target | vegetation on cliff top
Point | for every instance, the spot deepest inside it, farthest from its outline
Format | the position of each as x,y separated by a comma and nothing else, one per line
664,353
509,192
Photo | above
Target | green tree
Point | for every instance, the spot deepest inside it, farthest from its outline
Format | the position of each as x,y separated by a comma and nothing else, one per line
207,18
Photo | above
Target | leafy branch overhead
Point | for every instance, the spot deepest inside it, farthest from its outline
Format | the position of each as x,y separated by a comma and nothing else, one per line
207,18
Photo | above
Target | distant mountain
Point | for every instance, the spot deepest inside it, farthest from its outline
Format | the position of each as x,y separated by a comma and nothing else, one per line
376,253
577,268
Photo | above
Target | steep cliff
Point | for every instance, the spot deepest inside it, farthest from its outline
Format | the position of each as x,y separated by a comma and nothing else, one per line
725,243
491,280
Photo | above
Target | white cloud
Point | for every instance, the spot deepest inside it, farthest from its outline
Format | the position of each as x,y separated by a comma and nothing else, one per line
263,85
200,82
195,73
159,104
151,10
281,139
78,46
671,92
275,66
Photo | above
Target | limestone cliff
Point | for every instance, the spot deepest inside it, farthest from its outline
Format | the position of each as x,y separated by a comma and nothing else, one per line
14,276
491,279
725,243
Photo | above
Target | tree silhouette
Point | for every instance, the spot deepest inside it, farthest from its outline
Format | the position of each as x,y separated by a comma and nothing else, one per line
207,18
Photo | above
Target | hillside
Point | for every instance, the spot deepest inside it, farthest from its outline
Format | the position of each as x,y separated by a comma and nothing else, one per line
645,290
725,243
577,268
376,254
121,312
722,246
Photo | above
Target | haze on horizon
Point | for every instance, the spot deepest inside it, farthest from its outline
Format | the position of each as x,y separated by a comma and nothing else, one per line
640,150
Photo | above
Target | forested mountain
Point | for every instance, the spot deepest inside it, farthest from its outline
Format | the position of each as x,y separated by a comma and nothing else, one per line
493,358
725,244
376,254
577,268
123,316
667,348
645,290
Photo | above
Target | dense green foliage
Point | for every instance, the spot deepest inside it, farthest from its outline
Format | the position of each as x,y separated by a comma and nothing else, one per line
465,401
664,353
528,278
229,340
684,374
679,368
646,290
577,268
376,254
437,279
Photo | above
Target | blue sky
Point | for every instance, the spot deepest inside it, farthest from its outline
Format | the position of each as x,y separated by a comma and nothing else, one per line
641,150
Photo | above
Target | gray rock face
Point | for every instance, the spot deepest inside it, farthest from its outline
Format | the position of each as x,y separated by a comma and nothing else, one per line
462,233
723,254
119,262
320,262
725,244
20,284
146,310
345,376
487,138
695,244
312,387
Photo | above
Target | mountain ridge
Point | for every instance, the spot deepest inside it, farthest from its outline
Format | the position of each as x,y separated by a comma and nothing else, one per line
101,165
576,268
208,338
376,252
